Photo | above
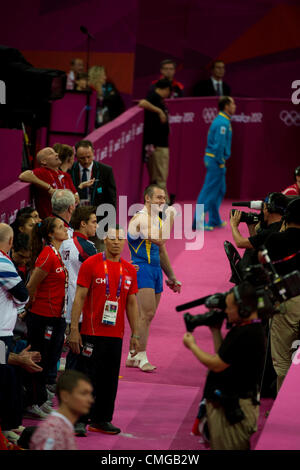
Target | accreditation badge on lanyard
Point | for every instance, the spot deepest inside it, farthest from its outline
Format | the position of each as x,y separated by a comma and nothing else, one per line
110,310
64,310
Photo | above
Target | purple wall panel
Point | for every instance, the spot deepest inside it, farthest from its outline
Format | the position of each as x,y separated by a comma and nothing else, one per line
194,32
265,146
49,25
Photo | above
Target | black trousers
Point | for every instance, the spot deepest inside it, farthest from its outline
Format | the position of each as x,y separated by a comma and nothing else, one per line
102,366
11,397
50,350
72,358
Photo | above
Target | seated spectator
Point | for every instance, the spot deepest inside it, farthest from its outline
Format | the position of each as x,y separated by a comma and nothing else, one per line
294,189
46,180
109,103
45,320
63,205
82,82
213,86
168,70
74,393
77,67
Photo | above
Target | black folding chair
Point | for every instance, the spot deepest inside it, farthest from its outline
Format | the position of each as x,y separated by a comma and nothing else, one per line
233,257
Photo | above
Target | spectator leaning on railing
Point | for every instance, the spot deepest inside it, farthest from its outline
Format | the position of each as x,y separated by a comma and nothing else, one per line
46,179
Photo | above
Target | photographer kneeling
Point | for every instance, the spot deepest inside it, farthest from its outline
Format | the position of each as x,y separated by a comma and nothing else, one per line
235,370
271,215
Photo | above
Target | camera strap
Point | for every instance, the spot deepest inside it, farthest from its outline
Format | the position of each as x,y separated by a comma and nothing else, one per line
248,322
286,258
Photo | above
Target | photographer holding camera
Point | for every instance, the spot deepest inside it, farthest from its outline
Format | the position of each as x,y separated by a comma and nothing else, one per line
235,370
284,252
270,221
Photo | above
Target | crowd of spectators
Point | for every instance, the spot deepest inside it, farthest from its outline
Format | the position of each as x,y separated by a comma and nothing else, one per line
50,246
110,103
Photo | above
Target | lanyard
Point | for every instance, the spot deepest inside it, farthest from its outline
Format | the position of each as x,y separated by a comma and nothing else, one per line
6,255
107,279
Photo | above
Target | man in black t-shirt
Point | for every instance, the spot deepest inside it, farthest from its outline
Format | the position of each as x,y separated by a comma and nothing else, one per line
156,133
284,252
273,210
234,372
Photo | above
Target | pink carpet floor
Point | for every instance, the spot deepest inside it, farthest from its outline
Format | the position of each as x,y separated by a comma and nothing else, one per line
156,411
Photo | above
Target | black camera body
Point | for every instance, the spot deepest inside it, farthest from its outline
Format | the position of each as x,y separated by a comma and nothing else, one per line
249,218
272,289
209,318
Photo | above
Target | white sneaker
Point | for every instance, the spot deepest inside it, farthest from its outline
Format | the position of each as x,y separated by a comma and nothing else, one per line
46,407
34,412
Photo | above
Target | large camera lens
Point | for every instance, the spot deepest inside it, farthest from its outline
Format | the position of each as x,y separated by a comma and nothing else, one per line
210,318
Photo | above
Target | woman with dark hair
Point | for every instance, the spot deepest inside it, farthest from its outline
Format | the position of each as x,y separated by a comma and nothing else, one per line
24,223
29,210
46,324
66,156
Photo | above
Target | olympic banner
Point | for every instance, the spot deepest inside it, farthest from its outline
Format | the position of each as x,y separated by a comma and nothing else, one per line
265,146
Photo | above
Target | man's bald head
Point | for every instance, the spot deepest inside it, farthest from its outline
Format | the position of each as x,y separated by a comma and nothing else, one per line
48,157
6,237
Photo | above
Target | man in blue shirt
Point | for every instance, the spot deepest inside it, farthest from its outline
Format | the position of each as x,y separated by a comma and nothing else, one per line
217,151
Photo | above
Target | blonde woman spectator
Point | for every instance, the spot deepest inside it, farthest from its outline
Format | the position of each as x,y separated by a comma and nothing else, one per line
109,103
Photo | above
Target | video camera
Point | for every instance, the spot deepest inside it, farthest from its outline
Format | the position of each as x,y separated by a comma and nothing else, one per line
250,218
271,290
